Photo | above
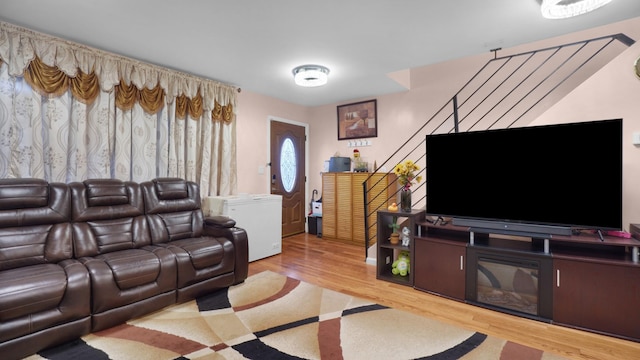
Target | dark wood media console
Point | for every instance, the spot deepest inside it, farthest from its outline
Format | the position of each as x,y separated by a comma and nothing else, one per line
593,285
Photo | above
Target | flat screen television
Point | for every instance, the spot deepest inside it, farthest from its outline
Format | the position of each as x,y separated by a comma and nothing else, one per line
536,181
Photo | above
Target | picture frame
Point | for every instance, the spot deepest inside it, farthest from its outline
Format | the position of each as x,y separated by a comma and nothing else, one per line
358,120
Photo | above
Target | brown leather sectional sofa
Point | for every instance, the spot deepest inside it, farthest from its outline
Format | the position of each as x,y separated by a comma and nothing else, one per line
81,257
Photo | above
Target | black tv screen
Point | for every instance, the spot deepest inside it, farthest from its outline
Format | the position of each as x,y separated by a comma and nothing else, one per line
569,175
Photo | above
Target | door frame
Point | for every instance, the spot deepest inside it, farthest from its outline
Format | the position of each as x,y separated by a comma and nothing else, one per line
306,158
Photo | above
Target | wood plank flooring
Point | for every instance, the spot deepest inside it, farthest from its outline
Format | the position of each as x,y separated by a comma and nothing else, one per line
341,267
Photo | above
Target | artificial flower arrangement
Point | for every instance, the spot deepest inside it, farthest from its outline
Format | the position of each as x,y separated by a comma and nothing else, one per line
405,171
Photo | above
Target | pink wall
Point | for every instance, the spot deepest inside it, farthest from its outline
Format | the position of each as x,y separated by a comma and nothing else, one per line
254,112
611,93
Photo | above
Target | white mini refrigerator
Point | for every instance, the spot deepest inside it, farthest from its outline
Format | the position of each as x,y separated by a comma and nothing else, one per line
260,215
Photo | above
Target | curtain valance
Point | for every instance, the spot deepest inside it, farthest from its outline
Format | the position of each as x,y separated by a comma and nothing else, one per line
20,47
50,81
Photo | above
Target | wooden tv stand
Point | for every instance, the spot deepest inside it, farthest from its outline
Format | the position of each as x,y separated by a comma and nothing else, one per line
595,284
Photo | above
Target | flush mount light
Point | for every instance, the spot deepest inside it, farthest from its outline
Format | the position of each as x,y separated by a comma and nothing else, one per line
310,75
562,9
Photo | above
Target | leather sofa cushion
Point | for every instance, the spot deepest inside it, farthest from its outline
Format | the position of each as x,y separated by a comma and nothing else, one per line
106,193
105,199
133,267
23,193
33,203
171,188
203,252
31,289
169,195
100,229
179,225
34,245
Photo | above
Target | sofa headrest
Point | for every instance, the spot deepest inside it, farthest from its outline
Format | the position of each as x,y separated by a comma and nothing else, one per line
171,188
106,192
23,193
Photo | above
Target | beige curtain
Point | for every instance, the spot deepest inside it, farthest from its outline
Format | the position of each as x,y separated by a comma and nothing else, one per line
69,113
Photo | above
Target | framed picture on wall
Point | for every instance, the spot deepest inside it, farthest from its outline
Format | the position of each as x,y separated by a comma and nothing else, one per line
357,120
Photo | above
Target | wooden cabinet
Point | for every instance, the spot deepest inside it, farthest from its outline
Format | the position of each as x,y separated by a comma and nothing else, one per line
387,253
591,283
440,264
343,204
329,215
597,295
344,207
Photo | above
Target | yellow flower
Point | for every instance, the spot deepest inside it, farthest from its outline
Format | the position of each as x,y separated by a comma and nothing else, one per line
405,171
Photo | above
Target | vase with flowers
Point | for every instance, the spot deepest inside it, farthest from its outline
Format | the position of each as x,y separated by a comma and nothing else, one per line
406,173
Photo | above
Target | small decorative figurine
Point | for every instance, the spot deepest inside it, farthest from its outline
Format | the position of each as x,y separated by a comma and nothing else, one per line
406,236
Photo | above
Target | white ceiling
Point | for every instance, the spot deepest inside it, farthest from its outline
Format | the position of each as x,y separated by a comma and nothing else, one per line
254,44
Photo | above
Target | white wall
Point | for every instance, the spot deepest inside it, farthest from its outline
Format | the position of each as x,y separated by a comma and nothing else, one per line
612,92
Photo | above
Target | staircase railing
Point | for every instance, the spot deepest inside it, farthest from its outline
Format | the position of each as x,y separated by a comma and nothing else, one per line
507,91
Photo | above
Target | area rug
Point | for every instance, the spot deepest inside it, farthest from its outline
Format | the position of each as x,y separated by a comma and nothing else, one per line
271,316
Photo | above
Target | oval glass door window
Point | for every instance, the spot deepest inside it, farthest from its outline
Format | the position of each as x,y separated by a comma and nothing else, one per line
288,165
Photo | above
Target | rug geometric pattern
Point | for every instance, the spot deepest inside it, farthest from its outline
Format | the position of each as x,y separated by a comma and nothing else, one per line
271,316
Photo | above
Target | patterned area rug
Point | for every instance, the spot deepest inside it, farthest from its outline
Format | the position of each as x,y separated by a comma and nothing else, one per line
271,316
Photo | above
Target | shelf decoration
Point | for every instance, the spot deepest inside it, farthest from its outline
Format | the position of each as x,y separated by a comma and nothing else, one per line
395,236
401,265
406,173
359,165
406,236
405,199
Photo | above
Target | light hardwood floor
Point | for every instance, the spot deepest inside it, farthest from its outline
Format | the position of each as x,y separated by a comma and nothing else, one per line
341,267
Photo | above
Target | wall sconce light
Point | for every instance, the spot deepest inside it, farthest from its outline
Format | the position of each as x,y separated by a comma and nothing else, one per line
310,75
562,9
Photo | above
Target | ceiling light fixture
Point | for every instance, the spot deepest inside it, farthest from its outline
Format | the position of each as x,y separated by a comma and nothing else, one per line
562,9
310,75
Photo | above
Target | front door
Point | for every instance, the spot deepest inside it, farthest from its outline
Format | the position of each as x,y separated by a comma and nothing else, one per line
287,174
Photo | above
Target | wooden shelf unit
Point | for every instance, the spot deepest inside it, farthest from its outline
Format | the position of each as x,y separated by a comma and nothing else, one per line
387,253
343,205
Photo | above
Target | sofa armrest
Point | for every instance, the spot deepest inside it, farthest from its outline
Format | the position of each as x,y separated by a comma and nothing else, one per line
223,226
219,221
